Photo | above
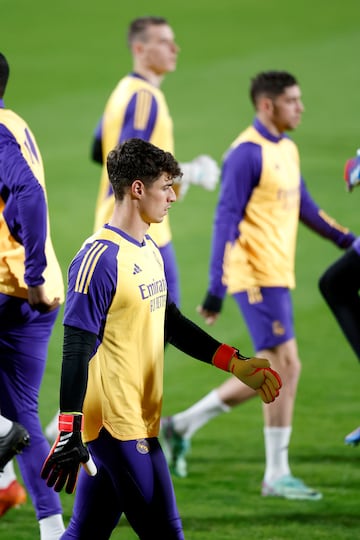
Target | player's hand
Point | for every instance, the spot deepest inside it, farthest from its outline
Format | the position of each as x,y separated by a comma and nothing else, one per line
61,467
254,372
352,172
39,301
202,171
210,308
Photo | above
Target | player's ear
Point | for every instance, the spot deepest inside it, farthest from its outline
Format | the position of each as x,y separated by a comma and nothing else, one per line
264,104
267,104
137,188
137,48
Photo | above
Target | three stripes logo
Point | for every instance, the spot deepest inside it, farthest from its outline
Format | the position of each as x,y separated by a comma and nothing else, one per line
87,267
137,269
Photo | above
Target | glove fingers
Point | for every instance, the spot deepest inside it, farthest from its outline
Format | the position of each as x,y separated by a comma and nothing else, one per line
52,476
61,480
46,469
72,479
261,392
256,377
269,391
274,377
274,386
266,394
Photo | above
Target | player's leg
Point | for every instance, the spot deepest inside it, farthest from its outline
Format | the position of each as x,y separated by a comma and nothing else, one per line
97,507
151,507
340,286
269,317
171,272
142,481
177,430
24,342
12,493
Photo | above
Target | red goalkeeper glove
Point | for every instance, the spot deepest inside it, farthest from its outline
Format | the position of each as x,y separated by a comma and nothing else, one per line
68,452
254,372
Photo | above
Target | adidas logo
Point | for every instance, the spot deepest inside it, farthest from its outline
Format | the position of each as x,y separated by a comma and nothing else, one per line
136,270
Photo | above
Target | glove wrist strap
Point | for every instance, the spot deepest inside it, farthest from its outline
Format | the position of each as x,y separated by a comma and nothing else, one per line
71,422
223,356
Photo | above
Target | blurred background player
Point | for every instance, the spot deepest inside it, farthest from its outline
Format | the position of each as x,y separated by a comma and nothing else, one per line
31,289
137,108
262,198
340,285
117,317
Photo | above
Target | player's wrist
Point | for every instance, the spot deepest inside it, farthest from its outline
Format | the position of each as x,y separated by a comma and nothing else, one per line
71,422
223,357
212,303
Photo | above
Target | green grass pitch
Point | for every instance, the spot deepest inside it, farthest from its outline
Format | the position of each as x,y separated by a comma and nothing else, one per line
65,59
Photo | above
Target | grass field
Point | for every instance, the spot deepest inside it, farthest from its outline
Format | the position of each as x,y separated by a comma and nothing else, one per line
65,59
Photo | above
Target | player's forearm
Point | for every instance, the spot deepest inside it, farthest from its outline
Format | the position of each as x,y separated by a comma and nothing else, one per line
188,337
78,348
317,220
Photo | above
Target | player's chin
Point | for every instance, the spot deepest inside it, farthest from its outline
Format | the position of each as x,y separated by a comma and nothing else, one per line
159,219
296,122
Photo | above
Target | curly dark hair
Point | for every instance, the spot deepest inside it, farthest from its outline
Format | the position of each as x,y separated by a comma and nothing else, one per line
138,159
270,84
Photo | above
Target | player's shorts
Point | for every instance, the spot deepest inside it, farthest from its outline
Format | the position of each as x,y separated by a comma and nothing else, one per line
268,313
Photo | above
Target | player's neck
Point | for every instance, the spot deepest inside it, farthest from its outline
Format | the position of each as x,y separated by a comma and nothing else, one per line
154,78
270,125
128,220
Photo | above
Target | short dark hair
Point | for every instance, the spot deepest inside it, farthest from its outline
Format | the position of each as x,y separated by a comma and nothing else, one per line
138,159
138,28
4,74
270,84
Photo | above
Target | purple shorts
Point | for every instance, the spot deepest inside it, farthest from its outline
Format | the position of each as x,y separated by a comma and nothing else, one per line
268,314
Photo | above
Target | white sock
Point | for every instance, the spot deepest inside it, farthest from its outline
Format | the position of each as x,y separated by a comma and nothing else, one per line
8,475
276,449
52,527
5,426
187,422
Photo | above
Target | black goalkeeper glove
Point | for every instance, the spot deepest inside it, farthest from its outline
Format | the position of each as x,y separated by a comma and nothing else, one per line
67,454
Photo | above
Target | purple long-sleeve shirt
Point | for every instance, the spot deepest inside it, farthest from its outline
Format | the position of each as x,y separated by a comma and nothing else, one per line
24,202
245,161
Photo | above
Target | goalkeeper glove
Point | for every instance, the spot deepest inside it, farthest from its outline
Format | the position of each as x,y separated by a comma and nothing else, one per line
61,467
254,372
352,172
202,171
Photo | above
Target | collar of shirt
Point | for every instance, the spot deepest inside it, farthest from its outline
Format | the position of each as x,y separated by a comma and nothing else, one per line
265,132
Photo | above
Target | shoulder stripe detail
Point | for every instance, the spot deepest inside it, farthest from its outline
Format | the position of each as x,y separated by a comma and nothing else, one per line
87,267
142,112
